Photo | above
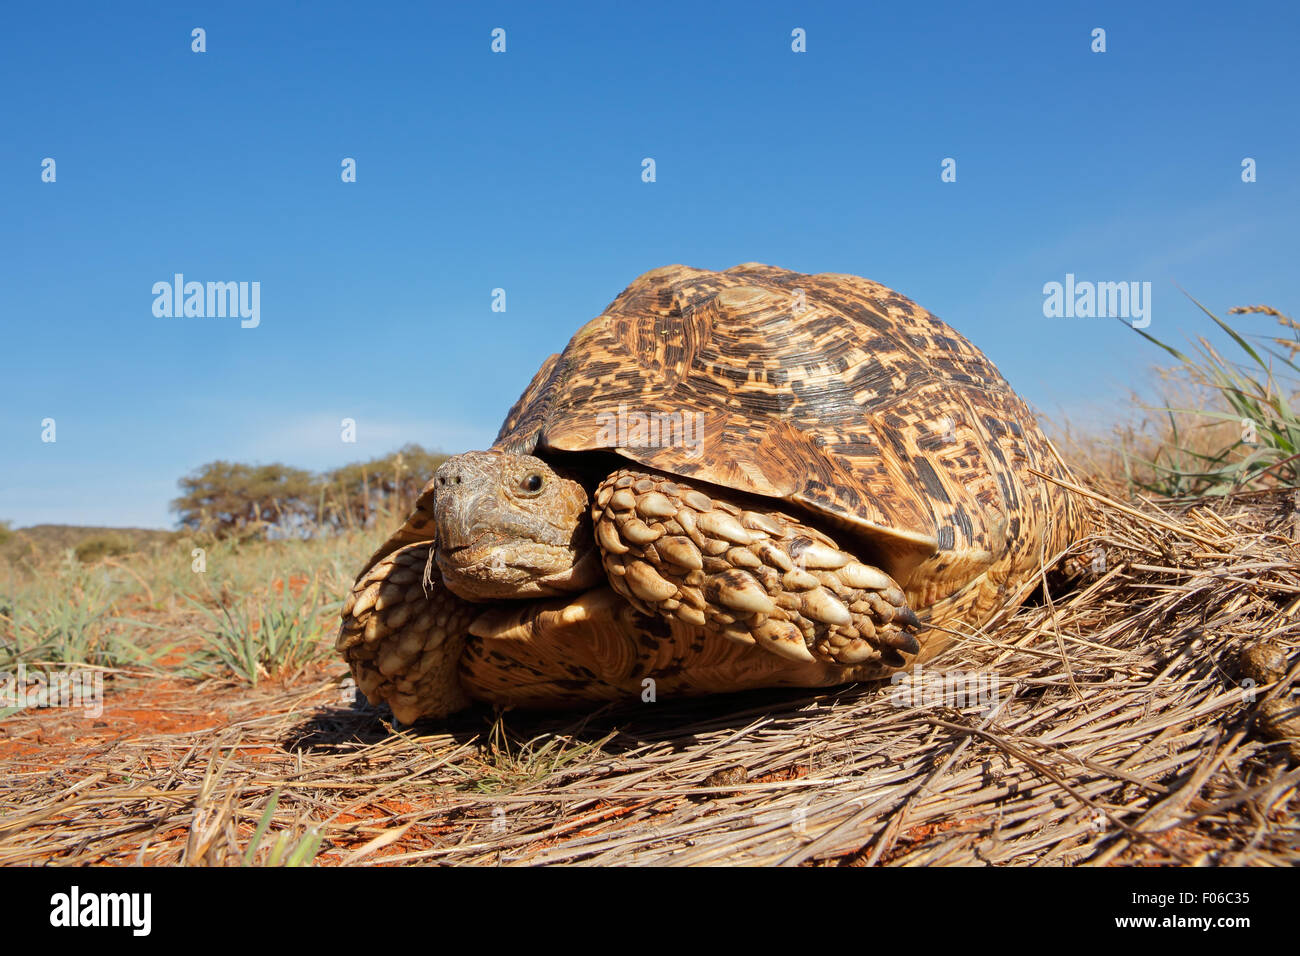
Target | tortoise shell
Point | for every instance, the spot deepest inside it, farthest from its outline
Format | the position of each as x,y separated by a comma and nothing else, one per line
830,392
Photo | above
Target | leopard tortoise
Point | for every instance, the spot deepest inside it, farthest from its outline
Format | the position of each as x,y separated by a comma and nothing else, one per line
726,480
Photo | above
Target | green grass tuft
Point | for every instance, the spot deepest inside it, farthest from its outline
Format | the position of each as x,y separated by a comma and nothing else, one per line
1249,435
275,636
66,615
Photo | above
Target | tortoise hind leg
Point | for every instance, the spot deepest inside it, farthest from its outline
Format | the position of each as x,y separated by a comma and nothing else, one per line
404,643
751,576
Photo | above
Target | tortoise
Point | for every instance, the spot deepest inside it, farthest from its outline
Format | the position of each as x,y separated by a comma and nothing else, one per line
727,480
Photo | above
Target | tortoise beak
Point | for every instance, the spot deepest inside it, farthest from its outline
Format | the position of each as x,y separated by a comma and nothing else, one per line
455,511
460,487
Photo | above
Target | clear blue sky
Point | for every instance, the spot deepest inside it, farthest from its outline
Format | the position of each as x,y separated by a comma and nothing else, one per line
522,171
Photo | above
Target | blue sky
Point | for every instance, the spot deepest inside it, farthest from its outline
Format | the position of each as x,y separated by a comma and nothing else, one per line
522,171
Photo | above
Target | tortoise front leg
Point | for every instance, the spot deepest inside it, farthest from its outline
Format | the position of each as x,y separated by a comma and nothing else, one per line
404,643
751,576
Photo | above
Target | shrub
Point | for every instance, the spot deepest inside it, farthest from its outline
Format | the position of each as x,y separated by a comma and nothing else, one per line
101,546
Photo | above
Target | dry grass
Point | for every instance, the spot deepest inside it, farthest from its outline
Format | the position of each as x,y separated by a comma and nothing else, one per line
1120,734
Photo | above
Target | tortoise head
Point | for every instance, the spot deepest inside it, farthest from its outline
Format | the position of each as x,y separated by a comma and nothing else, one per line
511,526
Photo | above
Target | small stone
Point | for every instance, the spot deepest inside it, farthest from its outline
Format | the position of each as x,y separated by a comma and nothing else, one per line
1263,662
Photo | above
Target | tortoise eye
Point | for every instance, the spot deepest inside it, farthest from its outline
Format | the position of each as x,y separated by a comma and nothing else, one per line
532,483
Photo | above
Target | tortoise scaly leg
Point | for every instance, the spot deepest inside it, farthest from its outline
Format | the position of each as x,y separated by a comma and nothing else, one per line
752,576
403,644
